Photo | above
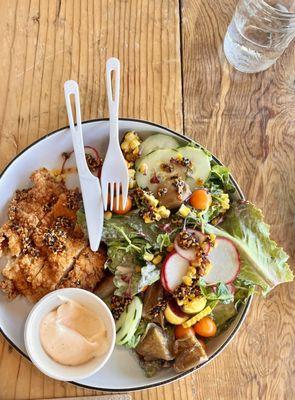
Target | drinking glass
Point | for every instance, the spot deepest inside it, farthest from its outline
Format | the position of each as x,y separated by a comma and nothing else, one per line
258,34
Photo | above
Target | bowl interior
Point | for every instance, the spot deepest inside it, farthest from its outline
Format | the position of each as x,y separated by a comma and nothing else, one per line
121,372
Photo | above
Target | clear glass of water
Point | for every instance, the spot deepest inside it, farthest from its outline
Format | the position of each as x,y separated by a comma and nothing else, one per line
259,33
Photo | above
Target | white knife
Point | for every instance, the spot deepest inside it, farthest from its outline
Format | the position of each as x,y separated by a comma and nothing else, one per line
90,186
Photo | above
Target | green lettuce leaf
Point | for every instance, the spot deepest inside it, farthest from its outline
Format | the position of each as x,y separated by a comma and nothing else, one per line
263,262
219,178
221,292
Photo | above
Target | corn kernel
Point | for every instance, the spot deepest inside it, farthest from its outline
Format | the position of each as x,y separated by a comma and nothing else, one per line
192,269
157,259
163,211
190,274
148,256
125,146
212,237
157,216
170,247
108,215
184,211
187,280
143,169
130,135
147,219
151,200
134,144
132,183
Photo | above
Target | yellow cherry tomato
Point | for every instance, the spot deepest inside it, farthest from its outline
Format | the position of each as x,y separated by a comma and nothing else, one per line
206,327
120,210
200,199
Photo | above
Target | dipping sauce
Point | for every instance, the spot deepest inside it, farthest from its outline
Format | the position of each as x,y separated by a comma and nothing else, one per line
72,335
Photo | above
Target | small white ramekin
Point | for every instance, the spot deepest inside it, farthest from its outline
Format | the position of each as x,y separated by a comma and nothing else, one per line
32,334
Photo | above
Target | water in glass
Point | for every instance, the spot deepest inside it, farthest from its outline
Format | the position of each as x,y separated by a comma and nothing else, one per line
259,33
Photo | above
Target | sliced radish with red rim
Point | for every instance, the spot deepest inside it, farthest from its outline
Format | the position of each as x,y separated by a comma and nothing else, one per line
173,270
225,262
190,254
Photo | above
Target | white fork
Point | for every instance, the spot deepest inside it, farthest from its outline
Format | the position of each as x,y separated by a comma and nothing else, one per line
114,171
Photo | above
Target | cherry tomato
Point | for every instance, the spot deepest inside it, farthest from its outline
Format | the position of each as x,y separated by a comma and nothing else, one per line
200,199
122,210
180,331
206,327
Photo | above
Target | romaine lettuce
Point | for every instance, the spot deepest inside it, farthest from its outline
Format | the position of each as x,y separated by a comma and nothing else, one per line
263,262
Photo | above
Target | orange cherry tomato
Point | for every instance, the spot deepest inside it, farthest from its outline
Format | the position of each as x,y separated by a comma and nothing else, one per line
206,327
200,199
122,210
180,331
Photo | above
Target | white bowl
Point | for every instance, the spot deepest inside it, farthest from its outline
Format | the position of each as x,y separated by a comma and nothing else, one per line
32,334
122,372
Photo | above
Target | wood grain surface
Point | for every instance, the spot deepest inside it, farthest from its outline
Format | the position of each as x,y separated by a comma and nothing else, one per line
173,72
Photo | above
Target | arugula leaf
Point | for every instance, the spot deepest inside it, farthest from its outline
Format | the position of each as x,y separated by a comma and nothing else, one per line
263,262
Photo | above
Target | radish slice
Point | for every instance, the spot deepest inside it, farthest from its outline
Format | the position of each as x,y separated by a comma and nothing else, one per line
173,270
225,262
69,161
190,254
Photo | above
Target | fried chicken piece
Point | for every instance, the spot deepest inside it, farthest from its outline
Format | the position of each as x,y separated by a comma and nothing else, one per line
18,275
57,265
29,206
10,241
87,271
26,210
47,249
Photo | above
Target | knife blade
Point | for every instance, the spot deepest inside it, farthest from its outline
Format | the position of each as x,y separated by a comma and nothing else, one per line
90,186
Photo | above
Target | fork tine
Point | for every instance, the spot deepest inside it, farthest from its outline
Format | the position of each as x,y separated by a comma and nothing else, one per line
112,195
118,186
105,193
124,194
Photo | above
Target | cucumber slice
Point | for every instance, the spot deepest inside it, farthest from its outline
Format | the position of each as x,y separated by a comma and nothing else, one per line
128,321
156,142
200,164
153,162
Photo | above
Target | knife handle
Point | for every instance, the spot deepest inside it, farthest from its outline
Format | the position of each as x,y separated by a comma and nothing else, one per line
72,88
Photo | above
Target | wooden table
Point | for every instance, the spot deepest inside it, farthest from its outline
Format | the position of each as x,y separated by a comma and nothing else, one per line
174,73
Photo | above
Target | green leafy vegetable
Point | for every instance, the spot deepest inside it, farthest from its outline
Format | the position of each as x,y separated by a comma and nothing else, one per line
220,179
263,262
221,293
163,240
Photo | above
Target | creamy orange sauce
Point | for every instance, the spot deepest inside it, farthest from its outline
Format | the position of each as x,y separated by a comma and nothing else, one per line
72,335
